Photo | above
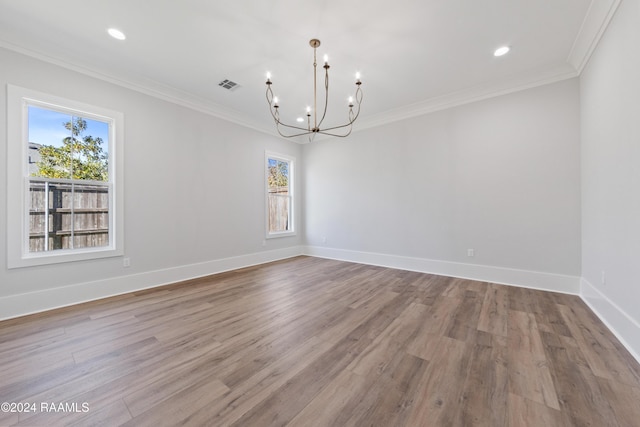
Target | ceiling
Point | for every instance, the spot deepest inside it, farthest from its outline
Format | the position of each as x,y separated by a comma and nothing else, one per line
414,56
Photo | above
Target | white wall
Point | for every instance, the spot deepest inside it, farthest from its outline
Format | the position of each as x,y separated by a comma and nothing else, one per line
194,194
610,111
500,176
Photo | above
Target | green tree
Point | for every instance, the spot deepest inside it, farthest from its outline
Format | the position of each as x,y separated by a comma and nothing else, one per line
79,157
278,173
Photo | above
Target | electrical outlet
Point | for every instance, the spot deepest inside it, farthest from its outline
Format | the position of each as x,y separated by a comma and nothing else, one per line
471,252
126,262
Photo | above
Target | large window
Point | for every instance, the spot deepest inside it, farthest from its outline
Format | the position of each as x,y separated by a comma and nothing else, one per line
64,201
279,177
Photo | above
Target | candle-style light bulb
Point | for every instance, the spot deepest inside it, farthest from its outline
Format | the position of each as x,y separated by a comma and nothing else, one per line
326,59
308,110
275,101
351,101
358,77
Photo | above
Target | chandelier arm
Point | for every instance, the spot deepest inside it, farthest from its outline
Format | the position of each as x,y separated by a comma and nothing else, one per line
276,116
358,97
326,94
279,123
323,132
295,134
269,95
352,116
305,131
336,127
326,131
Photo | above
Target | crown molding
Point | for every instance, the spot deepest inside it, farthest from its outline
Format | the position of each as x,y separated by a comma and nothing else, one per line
599,14
468,96
148,87
593,26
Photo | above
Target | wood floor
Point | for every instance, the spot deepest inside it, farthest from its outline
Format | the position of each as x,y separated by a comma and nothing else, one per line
315,342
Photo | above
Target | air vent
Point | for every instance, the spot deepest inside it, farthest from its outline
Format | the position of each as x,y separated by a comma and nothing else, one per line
228,84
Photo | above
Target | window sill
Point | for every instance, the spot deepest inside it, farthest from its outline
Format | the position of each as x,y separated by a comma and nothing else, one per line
277,235
62,256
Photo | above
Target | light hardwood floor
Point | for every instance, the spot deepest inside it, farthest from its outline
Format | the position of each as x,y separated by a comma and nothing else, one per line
315,342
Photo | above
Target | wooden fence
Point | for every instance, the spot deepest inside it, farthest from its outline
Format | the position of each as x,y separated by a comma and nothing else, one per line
279,202
66,216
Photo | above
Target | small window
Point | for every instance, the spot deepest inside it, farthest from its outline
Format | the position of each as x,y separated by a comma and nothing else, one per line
62,180
280,196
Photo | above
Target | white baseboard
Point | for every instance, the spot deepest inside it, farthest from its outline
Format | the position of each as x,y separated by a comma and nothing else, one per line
28,303
34,302
505,276
621,324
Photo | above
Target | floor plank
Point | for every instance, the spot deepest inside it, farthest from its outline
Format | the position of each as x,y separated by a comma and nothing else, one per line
315,342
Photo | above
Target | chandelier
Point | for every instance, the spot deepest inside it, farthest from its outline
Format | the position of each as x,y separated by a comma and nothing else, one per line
315,127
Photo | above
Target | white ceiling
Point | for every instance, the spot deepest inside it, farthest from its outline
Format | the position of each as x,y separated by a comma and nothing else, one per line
414,55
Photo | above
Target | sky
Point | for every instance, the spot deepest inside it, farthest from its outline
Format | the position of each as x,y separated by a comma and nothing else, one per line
46,127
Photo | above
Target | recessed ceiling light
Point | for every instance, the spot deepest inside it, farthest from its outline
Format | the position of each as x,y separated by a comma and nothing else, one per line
501,51
300,120
116,34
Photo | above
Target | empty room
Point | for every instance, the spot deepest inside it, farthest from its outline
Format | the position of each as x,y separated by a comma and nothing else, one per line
279,213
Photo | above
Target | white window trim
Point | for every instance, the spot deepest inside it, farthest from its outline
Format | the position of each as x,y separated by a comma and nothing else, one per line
292,180
18,255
